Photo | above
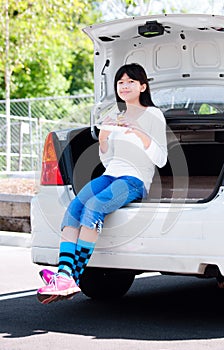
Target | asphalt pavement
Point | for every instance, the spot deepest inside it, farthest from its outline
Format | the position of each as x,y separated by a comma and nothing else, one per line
158,313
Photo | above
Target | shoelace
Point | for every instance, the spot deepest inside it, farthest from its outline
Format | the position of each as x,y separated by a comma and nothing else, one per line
53,280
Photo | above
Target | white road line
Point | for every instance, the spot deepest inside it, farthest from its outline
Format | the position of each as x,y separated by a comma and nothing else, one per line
148,274
33,292
17,295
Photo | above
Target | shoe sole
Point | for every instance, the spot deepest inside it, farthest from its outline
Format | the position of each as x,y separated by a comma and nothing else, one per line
49,298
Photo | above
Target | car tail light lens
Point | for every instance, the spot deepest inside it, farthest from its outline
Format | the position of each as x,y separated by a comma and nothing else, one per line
50,174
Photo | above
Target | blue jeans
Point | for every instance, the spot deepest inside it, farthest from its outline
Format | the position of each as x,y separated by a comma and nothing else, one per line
100,197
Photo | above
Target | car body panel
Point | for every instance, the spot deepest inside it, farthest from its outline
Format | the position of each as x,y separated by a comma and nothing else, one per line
178,238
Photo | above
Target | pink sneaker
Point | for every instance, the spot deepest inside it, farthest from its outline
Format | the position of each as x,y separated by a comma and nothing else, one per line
59,288
46,275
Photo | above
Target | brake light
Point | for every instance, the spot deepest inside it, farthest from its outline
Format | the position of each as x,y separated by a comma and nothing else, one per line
50,174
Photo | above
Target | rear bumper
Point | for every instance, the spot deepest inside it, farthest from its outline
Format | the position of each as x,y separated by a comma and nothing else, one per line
186,265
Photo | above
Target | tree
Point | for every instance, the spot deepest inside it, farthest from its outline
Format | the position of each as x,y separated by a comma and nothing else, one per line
44,35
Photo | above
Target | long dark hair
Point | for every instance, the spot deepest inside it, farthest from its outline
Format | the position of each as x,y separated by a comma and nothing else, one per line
135,72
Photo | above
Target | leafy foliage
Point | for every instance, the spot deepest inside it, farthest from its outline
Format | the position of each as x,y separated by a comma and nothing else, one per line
49,54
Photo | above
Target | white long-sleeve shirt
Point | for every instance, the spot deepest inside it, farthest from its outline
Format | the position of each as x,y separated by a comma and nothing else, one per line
126,154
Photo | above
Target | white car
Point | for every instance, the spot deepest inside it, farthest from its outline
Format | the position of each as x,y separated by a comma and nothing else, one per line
179,229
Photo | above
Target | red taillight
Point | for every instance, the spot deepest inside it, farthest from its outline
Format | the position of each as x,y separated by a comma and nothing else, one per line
50,174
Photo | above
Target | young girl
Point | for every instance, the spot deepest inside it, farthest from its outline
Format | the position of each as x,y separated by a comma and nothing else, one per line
129,154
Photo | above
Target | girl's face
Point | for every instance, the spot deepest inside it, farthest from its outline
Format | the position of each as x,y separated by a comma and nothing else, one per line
129,89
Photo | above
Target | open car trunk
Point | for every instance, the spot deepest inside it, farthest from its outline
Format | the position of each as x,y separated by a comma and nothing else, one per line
194,171
183,58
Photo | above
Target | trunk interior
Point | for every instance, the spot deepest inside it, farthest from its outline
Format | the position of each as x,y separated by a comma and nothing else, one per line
194,171
197,179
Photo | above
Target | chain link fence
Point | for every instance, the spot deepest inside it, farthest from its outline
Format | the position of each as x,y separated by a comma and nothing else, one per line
30,122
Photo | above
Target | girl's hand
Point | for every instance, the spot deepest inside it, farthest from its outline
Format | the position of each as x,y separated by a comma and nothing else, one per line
103,135
103,140
146,140
109,121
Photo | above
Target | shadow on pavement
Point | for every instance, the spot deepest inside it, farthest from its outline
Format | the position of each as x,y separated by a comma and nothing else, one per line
155,308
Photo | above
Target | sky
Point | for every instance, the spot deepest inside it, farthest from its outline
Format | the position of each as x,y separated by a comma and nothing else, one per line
111,8
199,6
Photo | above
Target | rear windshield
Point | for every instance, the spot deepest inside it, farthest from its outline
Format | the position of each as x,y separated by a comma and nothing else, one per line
196,100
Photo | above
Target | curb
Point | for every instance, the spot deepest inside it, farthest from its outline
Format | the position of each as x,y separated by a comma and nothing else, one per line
15,215
15,239
15,212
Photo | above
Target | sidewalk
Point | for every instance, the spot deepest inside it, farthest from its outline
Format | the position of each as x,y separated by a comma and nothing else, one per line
15,239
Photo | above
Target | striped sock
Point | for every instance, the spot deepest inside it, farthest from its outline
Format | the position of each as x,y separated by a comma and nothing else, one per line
83,253
66,258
